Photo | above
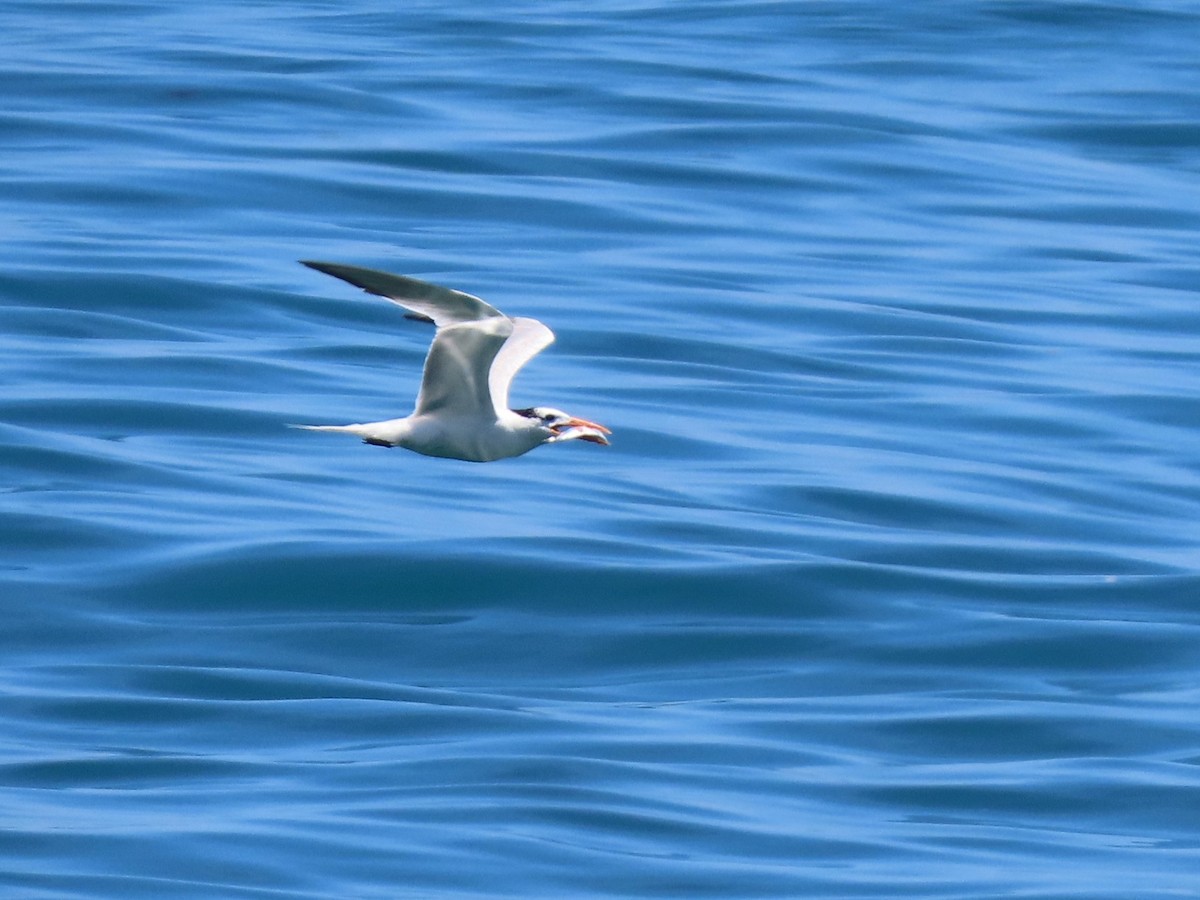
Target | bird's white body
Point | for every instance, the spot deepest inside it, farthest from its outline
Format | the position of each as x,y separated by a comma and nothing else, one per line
462,409
457,437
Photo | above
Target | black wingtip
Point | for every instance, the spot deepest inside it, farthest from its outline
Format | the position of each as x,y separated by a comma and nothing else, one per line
358,277
345,273
319,266
327,268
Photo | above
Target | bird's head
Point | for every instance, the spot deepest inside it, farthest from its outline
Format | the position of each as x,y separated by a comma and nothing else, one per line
563,427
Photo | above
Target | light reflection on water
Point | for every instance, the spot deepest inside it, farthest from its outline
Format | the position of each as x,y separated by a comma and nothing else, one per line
883,589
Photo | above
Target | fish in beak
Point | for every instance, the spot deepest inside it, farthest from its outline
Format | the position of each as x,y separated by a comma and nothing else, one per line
581,429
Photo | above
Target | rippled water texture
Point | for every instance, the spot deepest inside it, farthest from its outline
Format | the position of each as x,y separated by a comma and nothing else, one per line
886,588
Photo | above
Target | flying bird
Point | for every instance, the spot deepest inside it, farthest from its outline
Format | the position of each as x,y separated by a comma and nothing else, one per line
462,408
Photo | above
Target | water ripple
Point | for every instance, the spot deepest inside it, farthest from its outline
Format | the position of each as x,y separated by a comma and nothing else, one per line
883,589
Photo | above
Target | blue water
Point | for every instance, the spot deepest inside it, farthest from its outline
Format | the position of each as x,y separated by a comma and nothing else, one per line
888,586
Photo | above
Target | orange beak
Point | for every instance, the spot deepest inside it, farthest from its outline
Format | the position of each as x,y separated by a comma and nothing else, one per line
586,424
594,438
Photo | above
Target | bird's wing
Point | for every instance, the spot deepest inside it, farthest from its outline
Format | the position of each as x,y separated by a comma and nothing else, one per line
456,379
476,352
440,305
529,338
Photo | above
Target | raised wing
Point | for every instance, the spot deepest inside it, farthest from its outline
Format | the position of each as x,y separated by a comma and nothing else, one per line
440,305
529,338
476,352
457,369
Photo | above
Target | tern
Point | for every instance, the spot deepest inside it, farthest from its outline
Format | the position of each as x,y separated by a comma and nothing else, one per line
462,408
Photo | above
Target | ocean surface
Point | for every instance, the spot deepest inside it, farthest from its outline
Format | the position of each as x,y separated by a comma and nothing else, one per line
889,585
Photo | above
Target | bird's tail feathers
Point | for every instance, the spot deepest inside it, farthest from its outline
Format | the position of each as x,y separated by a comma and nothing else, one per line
349,429
366,432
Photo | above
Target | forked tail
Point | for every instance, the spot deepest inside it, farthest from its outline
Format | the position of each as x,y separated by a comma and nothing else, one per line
363,431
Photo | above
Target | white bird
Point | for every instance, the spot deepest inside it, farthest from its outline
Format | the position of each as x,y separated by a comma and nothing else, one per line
462,409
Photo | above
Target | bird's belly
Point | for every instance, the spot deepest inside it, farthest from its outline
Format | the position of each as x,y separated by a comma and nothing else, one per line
469,440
